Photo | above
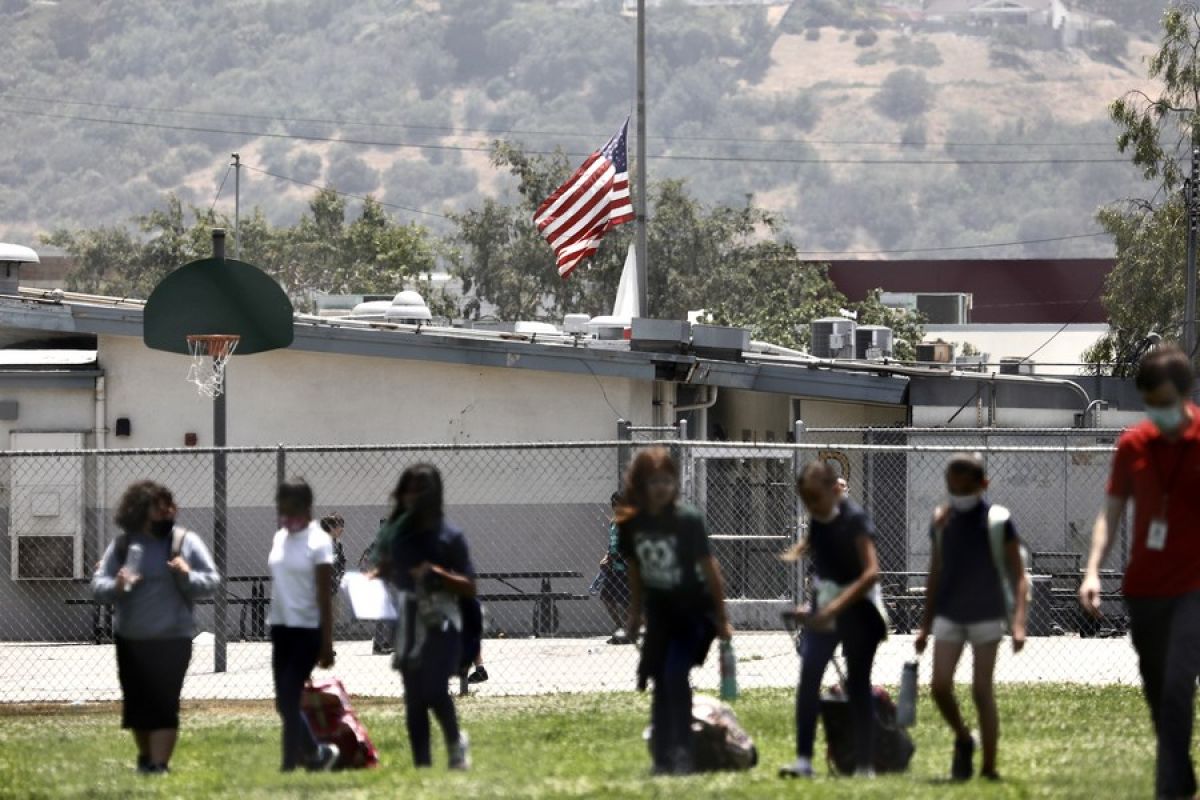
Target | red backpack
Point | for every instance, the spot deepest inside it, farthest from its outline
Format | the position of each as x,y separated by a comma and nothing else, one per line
330,717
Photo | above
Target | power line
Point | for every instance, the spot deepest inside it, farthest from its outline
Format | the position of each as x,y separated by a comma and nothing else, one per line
453,130
946,249
220,188
343,194
1082,307
484,149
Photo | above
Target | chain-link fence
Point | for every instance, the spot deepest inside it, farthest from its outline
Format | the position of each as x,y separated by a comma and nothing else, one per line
536,516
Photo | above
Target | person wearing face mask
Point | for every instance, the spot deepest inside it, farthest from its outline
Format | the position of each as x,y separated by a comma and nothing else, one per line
301,619
846,609
153,623
966,602
1157,466
676,581
431,571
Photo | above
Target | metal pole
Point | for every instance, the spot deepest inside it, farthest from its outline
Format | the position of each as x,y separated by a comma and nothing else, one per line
642,261
220,510
237,206
798,429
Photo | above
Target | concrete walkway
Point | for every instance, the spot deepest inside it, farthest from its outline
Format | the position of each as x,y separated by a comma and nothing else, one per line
79,673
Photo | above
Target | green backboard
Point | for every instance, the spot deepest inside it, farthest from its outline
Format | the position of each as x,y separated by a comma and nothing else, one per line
218,296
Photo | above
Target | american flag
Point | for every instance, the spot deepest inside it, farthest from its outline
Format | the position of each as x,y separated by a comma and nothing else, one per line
592,202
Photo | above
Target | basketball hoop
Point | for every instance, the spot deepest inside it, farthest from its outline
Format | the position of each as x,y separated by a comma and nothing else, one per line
210,354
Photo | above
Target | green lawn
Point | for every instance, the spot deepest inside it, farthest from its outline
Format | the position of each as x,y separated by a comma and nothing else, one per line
1061,742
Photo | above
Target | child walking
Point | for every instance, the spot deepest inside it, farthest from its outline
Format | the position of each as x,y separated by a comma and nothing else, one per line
301,619
845,610
976,586
676,581
431,570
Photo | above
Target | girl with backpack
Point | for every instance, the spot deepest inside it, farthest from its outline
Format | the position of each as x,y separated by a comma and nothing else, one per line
676,581
976,588
431,571
845,610
301,619
152,574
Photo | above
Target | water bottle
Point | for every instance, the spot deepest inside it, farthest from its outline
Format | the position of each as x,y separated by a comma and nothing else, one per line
906,706
133,563
729,688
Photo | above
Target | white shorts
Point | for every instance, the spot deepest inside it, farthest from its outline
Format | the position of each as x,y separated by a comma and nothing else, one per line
974,633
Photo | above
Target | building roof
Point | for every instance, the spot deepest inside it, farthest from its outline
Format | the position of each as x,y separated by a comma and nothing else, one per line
1056,349
42,312
1037,291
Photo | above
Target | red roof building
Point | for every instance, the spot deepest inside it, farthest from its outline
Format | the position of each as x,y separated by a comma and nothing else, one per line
1035,291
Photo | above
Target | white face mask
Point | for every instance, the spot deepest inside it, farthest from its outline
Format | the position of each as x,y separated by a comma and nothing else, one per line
964,502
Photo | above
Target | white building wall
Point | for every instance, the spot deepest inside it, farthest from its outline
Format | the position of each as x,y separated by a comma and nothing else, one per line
48,410
300,397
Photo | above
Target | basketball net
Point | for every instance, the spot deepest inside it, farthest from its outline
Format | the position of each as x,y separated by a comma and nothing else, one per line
210,355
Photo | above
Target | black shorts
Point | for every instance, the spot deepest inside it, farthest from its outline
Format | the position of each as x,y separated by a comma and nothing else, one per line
614,589
151,673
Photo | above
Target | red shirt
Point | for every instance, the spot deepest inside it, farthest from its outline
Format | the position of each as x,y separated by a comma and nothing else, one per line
1163,479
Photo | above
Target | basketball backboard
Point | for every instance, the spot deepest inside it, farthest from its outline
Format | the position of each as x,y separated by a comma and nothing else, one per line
218,296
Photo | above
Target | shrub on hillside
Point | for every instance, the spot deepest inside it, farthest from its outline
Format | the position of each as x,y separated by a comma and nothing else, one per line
904,95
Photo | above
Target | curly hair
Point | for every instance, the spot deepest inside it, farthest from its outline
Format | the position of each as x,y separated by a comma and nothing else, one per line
138,501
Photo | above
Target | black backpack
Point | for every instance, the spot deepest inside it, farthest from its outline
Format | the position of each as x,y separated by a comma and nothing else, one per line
719,742
893,749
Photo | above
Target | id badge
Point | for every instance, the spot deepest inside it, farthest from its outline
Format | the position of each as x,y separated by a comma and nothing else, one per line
1156,537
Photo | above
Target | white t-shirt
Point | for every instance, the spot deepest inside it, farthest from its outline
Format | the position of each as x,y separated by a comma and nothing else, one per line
293,563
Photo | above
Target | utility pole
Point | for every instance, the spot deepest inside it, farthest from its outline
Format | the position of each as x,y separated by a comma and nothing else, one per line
237,206
642,265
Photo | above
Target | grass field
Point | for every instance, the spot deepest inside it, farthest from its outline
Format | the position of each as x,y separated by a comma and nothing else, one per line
1059,741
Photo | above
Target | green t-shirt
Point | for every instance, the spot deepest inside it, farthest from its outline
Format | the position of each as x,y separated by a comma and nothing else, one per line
668,550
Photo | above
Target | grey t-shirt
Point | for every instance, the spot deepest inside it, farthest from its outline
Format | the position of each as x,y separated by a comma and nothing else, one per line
969,589
159,606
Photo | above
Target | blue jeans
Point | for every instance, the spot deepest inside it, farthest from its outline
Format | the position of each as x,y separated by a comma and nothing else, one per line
859,637
426,688
294,653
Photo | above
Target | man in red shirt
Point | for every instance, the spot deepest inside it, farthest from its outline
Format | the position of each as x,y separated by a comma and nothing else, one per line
1158,466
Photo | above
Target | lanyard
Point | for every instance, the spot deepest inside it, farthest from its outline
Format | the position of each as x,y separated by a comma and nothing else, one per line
1168,486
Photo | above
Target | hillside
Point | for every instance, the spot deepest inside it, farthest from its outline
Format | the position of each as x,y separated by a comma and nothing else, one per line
107,106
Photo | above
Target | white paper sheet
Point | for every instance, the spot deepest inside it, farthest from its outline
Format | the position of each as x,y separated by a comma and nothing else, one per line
369,598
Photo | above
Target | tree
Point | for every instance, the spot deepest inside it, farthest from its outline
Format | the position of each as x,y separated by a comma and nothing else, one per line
904,94
1145,291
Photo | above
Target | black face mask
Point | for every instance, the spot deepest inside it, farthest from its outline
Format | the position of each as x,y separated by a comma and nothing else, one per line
162,528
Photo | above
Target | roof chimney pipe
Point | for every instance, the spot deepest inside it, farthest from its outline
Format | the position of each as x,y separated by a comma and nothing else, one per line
219,243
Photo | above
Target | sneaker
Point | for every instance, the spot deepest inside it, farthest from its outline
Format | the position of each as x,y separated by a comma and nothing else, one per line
325,759
155,769
963,766
681,764
865,772
990,775
143,764
800,768
460,753
478,676
619,637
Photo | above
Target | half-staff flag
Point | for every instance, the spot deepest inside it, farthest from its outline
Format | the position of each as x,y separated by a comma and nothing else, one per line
592,202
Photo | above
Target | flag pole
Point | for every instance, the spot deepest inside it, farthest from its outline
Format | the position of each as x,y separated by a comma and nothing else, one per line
643,307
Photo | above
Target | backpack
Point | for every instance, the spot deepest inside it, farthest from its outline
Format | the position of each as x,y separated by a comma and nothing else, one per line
329,715
719,743
998,518
121,544
893,748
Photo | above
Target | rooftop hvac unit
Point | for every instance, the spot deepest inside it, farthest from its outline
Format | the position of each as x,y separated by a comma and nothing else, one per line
1016,366
832,337
873,342
945,308
971,363
935,353
660,335
720,341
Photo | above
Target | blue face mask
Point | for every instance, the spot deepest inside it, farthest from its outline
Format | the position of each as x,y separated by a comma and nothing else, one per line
1167,419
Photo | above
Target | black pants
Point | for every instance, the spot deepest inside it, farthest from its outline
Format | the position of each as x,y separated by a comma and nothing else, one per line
859,631
151,673
294,653
426,689
1166,636
671,704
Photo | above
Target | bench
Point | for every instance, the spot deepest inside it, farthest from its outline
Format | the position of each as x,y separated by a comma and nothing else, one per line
254,607
545,598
